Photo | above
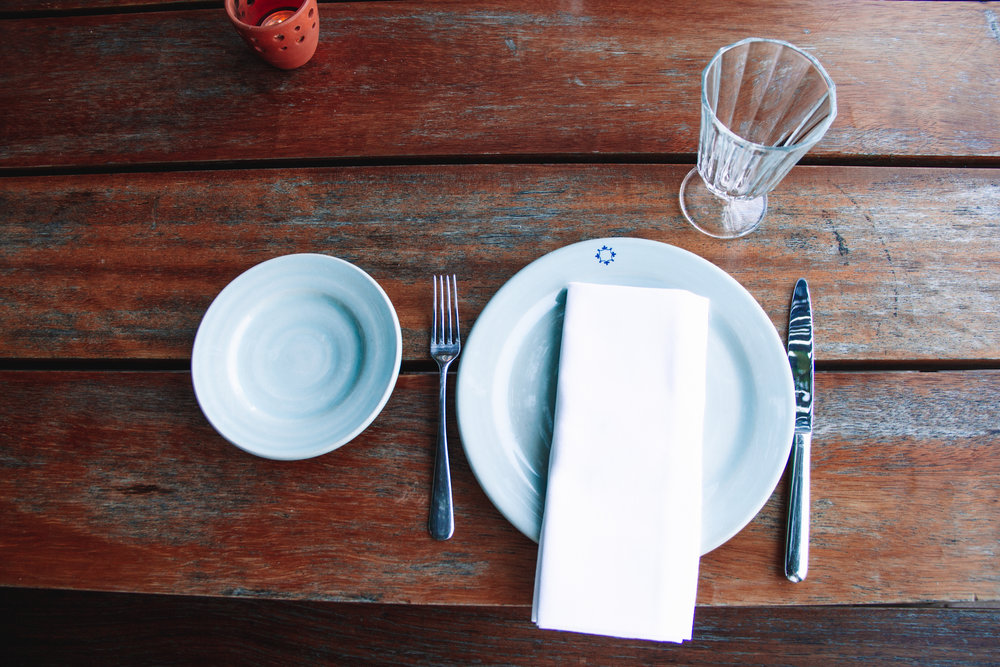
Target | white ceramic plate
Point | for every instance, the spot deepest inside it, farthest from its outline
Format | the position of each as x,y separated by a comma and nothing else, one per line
296,356
507,382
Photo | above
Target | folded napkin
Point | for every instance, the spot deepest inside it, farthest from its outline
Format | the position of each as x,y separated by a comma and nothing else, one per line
621,530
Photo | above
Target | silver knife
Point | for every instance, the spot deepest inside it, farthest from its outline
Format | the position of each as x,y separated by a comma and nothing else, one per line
800,356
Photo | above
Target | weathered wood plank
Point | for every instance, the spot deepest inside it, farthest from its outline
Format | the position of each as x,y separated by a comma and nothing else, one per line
902,262
114,481
14,7
60,627
518,77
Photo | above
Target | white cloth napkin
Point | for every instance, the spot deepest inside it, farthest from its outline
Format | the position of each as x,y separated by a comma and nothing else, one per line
621,530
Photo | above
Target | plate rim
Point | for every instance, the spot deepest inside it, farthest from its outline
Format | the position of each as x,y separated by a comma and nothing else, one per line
784,370
384,303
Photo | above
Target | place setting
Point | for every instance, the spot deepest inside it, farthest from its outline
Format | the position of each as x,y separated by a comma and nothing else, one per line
622,402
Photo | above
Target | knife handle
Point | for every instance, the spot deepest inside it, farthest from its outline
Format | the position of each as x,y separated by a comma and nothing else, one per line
797,536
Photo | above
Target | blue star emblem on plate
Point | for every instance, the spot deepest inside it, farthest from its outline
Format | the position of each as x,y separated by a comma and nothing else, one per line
605,255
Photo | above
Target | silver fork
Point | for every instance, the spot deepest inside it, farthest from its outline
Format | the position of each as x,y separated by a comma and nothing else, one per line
446,342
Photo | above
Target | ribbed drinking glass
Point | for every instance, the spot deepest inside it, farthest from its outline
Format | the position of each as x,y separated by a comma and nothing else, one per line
764,103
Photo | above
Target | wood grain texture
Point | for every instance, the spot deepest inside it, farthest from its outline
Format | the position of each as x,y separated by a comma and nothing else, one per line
902,262
13,8
114,481
60,627
519,77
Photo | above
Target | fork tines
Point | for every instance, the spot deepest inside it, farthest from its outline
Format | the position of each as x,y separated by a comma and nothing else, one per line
445,329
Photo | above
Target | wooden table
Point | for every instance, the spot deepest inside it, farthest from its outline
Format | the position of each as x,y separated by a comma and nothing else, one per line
147,158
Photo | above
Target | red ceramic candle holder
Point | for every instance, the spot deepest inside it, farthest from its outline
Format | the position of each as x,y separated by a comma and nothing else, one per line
282,32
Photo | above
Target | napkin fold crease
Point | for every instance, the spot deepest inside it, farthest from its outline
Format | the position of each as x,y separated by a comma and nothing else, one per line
621,529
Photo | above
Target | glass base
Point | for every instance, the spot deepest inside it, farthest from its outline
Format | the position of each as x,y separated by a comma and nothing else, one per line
716,216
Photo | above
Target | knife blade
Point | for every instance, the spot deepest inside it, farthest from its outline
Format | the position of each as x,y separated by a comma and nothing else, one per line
800,357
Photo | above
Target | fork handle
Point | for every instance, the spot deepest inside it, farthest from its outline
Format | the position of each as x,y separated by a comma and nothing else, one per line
441,521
